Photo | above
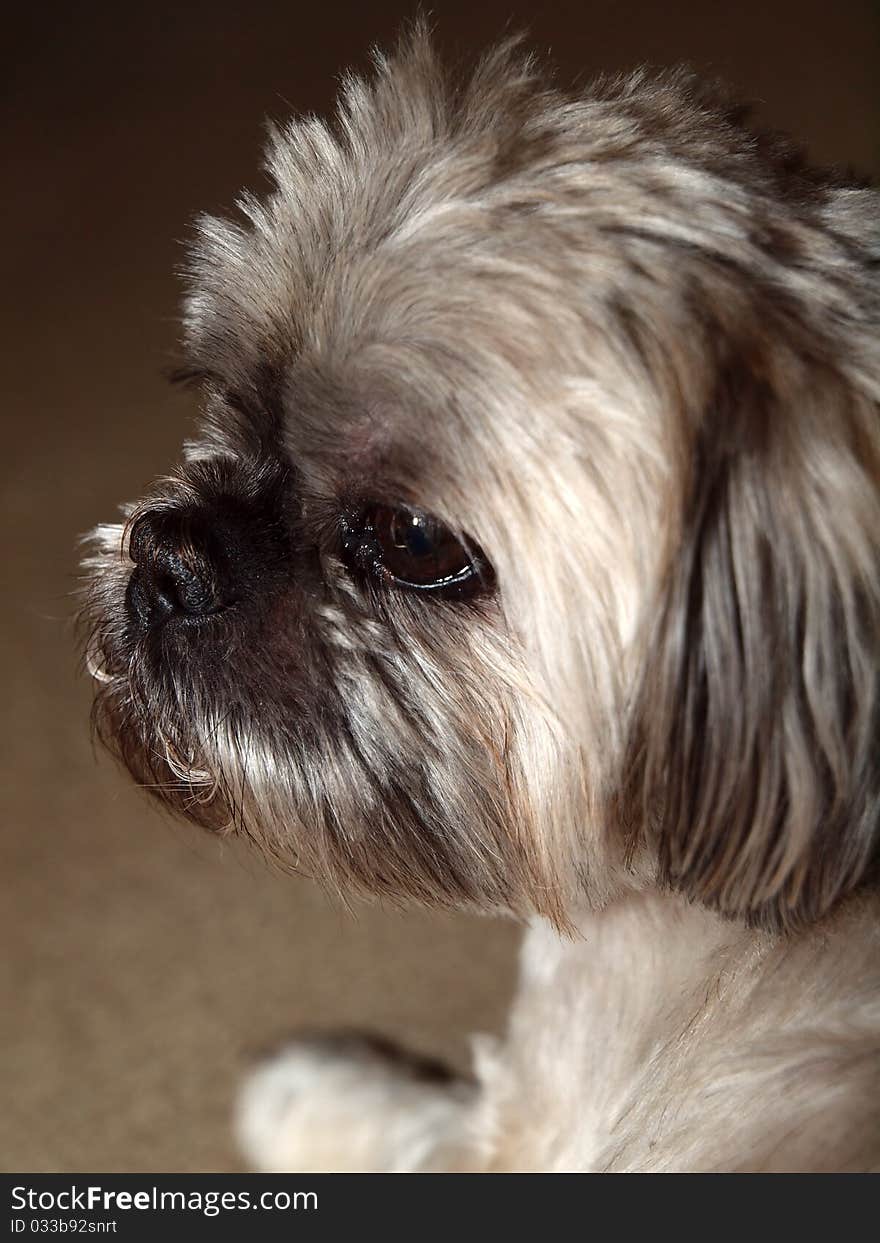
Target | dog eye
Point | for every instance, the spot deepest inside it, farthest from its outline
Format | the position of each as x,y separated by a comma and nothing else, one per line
413,550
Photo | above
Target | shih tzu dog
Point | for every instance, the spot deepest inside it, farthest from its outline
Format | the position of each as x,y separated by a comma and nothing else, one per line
528,561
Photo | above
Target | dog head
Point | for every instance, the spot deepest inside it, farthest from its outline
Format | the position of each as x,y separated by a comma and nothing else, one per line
528,550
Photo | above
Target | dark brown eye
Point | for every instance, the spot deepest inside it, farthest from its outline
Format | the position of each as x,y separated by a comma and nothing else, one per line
415,551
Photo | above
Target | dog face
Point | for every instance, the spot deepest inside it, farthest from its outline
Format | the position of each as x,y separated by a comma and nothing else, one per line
528,549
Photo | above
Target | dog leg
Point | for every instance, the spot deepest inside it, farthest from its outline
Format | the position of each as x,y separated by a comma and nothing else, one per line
353,1103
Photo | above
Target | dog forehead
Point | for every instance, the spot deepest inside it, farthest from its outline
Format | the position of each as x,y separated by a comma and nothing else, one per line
372,340
343,422
439,248
309,283
381,222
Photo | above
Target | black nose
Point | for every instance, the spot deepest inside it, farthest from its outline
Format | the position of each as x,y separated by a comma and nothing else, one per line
175,573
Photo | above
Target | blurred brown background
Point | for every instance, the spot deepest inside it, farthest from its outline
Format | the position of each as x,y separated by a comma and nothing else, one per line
143,961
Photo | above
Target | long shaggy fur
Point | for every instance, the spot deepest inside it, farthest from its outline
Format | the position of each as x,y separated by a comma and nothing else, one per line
633,349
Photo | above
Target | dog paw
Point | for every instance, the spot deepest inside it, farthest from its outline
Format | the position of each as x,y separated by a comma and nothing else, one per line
346,1103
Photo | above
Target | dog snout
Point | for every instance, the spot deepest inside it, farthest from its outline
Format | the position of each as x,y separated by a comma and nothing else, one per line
176,571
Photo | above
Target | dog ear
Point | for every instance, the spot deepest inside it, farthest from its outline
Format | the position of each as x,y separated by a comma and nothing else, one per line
752,754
